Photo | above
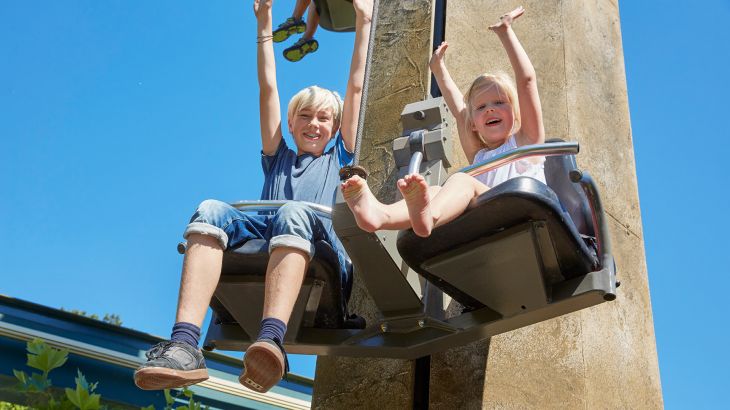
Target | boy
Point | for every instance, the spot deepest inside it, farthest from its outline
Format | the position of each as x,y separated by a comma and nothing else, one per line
314,116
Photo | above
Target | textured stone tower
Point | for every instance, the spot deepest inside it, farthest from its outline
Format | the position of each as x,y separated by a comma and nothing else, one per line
603,357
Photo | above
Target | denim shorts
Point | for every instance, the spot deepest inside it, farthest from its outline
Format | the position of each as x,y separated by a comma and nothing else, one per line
294,225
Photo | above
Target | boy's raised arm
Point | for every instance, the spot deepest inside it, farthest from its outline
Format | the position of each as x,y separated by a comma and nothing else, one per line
532,130
454,100
353,94
269,114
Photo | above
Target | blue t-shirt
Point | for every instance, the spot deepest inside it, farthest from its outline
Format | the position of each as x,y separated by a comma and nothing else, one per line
304,177
309,178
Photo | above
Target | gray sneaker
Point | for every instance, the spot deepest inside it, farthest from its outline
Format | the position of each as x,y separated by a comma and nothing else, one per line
171,365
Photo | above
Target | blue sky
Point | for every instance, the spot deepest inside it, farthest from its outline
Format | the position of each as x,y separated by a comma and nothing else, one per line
118,117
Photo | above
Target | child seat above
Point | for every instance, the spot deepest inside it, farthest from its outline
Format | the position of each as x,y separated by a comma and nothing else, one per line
336,15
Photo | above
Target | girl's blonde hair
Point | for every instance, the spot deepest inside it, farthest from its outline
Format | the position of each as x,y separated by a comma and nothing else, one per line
316,98
505,86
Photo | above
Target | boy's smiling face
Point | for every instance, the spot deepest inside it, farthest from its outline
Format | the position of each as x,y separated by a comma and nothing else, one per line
312,129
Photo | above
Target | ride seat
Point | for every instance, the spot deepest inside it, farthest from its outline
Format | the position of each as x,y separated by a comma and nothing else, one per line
239,296
517,227
336,15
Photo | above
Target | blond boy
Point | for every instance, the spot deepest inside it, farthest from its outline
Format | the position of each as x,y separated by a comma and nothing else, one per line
308,173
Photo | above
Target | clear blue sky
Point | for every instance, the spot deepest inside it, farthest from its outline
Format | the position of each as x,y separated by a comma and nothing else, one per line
118,117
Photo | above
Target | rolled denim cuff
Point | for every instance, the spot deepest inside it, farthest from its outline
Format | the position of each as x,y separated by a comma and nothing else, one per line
292,241
203,228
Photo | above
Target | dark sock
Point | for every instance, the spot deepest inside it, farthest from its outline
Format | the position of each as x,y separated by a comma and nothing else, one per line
273,329
186,332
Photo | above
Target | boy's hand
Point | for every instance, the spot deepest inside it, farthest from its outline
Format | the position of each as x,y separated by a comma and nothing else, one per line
506,20
437,59
261,7
364,9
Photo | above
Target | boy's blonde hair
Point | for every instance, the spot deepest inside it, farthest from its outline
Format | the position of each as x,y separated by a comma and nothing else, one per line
505,86
316,98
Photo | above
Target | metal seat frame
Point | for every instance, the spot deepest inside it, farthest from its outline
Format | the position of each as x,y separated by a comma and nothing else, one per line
410,320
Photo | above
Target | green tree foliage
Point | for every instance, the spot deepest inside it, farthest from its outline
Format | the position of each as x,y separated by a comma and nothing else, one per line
39,394
111,318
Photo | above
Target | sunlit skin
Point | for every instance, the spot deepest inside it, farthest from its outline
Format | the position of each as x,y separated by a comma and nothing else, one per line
492,119
492,115
312,129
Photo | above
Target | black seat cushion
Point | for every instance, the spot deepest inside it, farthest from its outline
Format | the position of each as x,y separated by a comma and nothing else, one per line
252,258
511,203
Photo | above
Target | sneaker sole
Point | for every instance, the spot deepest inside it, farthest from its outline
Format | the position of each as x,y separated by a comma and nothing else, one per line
159,378
281,35
263,367
297,54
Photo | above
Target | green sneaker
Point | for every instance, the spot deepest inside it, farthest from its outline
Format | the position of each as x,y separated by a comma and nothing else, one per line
289,27
300,49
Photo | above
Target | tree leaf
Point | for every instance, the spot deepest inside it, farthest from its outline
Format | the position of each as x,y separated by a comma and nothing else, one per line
21,376
38,382
168,398
81,380
73,396
36,346
45,358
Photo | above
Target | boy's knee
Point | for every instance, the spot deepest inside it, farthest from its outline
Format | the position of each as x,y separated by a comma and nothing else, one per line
294,212
209,219
212,209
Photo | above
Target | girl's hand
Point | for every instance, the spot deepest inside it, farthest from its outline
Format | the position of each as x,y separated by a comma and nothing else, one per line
261,7
438,56
364,9
506,20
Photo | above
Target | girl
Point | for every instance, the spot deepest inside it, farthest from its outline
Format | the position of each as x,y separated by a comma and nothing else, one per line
494,116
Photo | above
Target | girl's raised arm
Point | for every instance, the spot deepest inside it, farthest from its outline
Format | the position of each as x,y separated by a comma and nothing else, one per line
532,130
454,100
269,114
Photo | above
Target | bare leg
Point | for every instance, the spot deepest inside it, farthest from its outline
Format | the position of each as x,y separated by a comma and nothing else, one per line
457,194
299,8
414,189
371,214
200,274
312,21
451,201
284,276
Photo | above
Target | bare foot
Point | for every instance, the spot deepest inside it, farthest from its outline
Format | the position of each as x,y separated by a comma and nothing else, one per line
365,207
415,192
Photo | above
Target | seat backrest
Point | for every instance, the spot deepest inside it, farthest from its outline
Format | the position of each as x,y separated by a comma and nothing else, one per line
571,195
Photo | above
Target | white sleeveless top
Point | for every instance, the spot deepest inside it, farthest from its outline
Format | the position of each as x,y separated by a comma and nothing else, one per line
523,167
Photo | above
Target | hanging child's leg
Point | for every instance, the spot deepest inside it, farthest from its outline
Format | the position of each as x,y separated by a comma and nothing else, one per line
200,273
179,362
265,362
414,189
370,214
294,229
451,200
312,21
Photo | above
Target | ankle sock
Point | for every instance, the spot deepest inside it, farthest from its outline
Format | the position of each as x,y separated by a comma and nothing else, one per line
186,332
273,329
